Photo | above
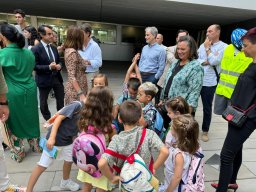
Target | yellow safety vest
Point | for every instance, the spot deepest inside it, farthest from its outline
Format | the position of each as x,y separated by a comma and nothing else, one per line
231,67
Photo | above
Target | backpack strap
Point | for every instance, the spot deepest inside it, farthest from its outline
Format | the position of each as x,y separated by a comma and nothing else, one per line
141,140
123,157
199,156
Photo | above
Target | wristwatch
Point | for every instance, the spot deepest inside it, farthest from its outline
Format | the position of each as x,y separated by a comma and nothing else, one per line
207,49
4,103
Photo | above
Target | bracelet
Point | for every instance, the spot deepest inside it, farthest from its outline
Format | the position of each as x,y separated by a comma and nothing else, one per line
80,92
4,103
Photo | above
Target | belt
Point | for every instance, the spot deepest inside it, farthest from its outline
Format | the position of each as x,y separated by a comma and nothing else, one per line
146,73
90,72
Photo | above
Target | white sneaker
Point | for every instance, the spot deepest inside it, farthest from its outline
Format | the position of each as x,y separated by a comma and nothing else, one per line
70,185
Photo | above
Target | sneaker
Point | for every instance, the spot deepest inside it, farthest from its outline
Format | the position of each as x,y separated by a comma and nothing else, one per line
70,185
205,137
15,188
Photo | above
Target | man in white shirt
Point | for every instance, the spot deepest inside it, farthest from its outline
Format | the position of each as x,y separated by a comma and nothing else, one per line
91,53
21,22
210,55
160,39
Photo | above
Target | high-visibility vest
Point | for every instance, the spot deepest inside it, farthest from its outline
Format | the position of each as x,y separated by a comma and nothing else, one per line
231,67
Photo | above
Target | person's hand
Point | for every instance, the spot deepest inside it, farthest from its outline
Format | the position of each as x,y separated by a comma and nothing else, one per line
53,65
137,57
207,43
58,67
60,48
4,112
116,179
82,98
160,103
50,143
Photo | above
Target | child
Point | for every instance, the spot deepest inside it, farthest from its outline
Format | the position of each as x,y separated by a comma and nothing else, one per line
127,142
147,91
100,80
97,113
60,134
132,85
186,131
174,107
132,72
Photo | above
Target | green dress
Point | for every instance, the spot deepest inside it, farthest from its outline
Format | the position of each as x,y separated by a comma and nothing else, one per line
18,65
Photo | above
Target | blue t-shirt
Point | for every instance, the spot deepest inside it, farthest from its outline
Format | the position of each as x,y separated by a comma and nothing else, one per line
68,127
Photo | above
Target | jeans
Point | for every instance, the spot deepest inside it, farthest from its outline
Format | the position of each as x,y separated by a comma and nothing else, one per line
231,153
149,77
207,94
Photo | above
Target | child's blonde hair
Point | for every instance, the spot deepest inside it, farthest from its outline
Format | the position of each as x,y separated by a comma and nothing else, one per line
149,89
100,75
187,131
178,104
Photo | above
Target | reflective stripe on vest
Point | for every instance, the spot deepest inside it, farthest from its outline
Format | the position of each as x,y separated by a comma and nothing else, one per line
230,73
227,84
231,67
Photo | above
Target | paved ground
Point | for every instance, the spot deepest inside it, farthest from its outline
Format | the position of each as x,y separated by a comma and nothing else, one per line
49,181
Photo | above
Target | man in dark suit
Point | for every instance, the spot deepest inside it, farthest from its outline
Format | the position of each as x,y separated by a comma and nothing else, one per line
48,69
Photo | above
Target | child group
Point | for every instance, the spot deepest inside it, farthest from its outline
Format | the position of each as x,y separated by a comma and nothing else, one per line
135,111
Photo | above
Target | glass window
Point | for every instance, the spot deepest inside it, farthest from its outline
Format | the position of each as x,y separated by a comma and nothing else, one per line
3,17
59,25
106,33
10,18
132,34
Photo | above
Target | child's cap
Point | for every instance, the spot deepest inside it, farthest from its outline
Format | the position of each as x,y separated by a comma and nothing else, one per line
148,86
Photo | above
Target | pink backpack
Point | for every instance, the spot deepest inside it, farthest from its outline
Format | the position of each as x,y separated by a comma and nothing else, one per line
195,179
87,151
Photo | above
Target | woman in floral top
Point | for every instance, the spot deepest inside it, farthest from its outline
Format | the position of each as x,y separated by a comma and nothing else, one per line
76,86
184,78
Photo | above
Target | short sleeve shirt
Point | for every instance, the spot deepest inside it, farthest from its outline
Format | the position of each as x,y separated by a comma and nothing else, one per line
126,143
68,127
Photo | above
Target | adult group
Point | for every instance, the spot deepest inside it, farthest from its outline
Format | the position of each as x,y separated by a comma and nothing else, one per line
226,71
216,68
44,60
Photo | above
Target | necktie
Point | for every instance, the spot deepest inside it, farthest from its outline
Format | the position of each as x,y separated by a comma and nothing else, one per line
50,53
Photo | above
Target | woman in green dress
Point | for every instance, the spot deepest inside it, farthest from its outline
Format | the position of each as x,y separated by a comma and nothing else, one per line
18,64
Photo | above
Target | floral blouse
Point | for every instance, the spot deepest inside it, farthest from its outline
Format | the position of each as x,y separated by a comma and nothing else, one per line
187,83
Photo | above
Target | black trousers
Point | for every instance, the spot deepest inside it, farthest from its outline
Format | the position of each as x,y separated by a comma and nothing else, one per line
231,153
58,89
207,94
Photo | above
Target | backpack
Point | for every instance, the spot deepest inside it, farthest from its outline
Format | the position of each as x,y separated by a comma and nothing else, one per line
135,173
87,151
195,179
159,123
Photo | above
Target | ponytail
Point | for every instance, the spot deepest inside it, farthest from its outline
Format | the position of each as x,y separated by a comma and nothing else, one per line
12,34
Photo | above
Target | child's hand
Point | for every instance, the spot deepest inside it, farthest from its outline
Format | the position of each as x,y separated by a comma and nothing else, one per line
50,143
137,57
116,179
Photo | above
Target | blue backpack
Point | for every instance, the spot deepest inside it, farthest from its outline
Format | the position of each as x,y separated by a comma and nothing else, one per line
159,123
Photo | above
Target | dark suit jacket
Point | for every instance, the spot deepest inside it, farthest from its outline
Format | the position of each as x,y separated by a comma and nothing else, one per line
43,74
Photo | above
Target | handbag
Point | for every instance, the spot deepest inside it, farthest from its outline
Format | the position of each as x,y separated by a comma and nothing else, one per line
235,115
